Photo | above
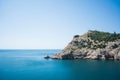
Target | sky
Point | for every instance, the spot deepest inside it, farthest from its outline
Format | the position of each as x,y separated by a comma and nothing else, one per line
51,24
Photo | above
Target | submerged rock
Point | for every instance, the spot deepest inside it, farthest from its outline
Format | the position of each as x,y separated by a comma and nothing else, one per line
92,45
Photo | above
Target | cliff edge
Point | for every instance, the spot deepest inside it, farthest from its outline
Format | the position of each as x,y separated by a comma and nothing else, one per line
92,45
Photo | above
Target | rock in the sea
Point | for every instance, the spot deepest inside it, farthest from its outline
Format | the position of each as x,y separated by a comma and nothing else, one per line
92,45
47,57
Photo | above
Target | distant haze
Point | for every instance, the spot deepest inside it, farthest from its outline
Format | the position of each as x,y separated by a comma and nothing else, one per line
51,24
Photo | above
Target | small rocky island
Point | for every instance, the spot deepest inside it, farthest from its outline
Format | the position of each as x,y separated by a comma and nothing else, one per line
92,45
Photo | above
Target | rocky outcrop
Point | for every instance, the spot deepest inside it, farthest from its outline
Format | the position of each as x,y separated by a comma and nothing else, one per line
87,47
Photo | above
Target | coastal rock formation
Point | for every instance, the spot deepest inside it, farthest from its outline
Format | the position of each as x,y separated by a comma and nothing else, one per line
92,45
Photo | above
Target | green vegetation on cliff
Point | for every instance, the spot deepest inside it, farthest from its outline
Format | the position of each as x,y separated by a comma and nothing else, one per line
103,36
95,39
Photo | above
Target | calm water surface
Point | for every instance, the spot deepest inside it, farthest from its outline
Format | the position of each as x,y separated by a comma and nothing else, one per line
30,65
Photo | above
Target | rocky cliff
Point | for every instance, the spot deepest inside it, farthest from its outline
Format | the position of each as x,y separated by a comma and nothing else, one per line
92,45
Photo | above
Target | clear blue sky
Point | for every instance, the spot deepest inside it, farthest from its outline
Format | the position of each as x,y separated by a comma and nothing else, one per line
51,24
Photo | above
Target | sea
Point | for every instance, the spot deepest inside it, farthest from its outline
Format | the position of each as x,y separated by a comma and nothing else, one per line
31,65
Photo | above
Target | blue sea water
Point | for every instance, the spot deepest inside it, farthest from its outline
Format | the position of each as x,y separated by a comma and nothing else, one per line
30,65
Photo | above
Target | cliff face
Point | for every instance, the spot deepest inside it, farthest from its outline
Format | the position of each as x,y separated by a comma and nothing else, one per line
92,45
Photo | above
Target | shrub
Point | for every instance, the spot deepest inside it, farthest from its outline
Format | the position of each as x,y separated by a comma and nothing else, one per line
76,36
114,46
